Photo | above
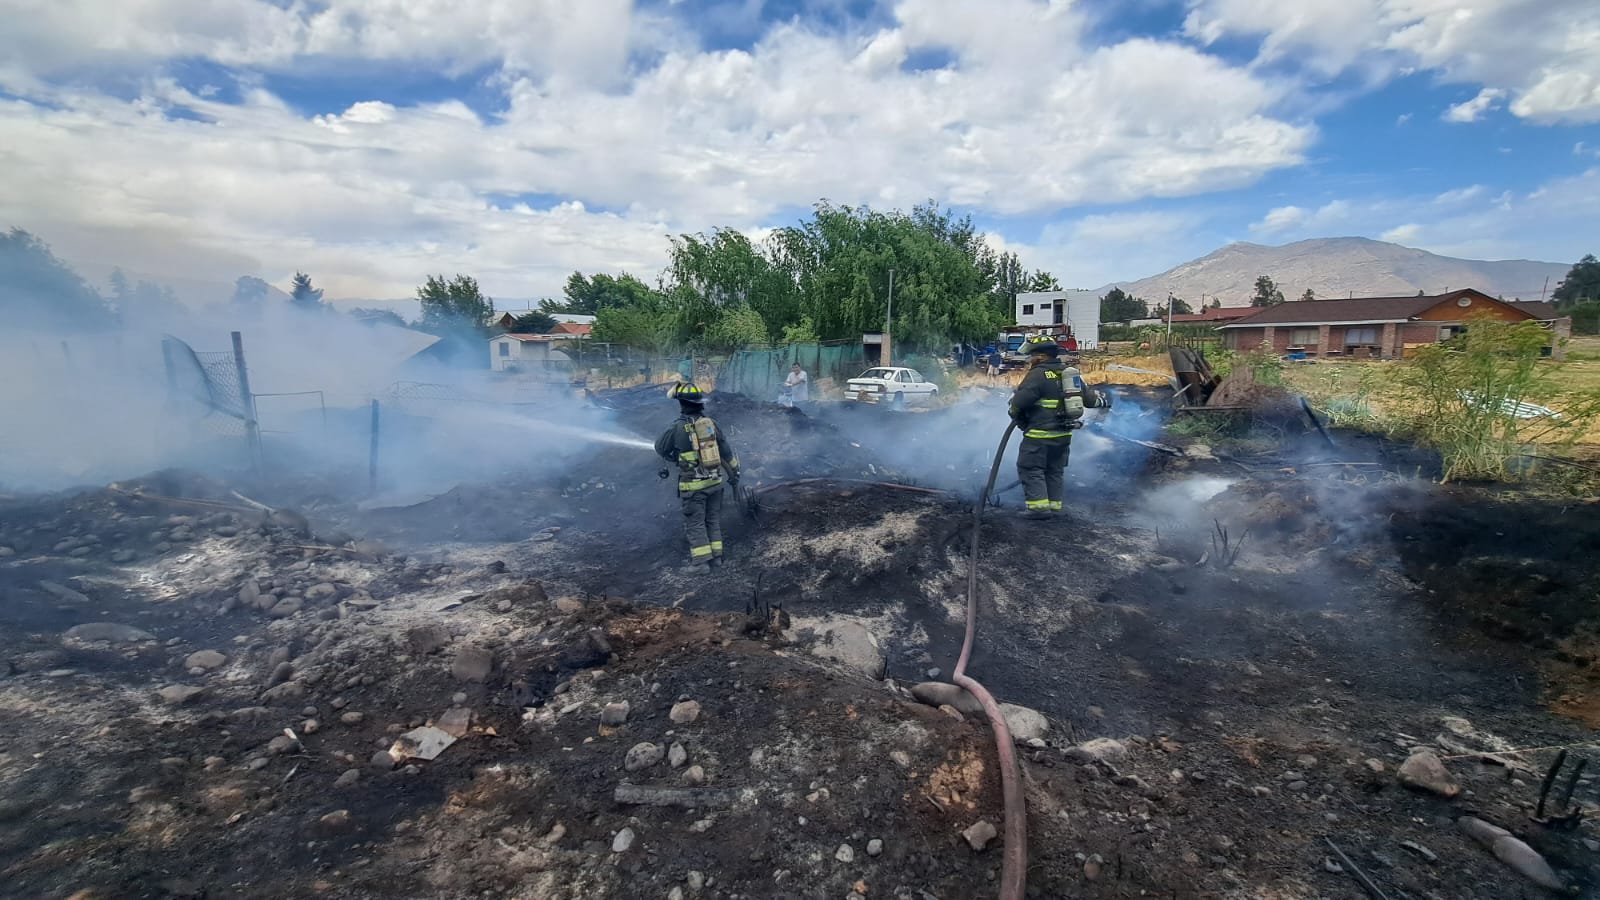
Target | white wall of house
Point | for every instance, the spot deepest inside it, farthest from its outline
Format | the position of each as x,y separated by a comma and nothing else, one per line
1079,309
509,353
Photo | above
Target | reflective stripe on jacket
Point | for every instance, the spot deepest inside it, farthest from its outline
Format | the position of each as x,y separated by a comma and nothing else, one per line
1048,400
677,445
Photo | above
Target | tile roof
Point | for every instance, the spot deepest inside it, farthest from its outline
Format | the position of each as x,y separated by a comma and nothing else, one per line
1358,309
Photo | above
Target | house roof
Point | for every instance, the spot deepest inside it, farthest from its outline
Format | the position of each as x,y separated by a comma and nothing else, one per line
1218,314
525,338
1539,308
579,328
1358,310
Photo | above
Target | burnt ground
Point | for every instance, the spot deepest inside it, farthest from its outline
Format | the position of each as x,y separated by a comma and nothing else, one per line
1258,704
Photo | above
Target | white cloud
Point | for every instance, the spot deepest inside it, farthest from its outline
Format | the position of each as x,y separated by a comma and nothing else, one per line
1402,119
1403,234
1474,109
1295,219
383,193
1541,53
1280,219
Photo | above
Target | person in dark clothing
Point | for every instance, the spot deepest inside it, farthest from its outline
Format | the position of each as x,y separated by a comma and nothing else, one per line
702,454
1046,406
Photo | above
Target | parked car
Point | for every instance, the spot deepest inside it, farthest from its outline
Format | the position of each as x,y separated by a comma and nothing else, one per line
890,384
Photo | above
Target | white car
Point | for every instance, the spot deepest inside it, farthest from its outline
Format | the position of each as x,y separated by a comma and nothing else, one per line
891,384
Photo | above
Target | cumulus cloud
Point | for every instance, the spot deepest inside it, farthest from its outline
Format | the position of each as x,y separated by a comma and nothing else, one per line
1539,53
1474,109
1403,234
615,130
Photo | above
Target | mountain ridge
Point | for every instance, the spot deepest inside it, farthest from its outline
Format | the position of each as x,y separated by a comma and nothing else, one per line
1341,267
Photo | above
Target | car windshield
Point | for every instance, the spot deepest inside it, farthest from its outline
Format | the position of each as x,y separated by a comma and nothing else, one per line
877,373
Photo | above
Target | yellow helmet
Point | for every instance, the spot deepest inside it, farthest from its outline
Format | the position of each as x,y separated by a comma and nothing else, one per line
688,392
1041,344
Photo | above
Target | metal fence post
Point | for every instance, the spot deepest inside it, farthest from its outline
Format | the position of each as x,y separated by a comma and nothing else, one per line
247,402
372,454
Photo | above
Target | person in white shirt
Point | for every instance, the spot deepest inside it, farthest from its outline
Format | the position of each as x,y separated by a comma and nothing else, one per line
799,388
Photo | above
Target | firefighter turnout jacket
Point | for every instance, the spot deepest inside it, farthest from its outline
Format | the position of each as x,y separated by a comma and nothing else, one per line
702,453
1049,400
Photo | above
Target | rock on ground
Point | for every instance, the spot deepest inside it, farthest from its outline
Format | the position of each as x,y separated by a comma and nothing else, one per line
1512,851
178,694
106,631
204,659
979,834
623,841
684,713
1025,724
941,693
1424,770
615,714
1103,749
472,664
851,645
642,756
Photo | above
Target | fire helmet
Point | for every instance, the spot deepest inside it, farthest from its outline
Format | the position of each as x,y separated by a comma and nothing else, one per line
688,392
1041,344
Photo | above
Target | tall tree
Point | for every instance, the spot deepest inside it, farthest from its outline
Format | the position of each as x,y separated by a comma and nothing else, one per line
1041,280
456,306
586,296
1267,293
536,322
40,289
1180,307
1117,306
1308,295
1582,283
251,291
303,296
377,316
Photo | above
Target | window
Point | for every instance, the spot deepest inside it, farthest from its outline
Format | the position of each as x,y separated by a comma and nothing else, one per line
505,349
1299,337
914,376
1354,337
1027,309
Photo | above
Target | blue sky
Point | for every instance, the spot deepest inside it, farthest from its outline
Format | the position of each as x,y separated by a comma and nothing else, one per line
372,142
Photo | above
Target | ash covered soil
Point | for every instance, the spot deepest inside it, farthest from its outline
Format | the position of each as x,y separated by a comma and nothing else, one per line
202,700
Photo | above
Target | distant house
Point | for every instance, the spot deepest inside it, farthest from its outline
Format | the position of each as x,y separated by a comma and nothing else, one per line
567,331
1377,327
526,353
504,321
1217,314
1052,311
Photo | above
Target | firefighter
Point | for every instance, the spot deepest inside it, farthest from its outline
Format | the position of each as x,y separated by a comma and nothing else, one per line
1047,405
702,453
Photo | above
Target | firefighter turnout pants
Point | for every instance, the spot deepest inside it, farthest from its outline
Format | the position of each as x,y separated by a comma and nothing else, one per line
702,522
1041,466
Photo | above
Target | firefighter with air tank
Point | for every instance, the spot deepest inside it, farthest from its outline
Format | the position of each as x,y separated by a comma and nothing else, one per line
705,462
1047,406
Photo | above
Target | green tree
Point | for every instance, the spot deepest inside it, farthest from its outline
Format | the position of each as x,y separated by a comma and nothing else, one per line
1041,280
1181,307
1308,295
376,316
250,291
42,290
1267,293
454,306
736,328
536,322
586,296
303,296
1117,306
1582,283
802,332
1585,317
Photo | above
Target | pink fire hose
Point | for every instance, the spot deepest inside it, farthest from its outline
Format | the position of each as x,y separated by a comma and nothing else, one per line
1014,865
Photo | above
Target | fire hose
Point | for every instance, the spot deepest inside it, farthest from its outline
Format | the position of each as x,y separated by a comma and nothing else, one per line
1014,865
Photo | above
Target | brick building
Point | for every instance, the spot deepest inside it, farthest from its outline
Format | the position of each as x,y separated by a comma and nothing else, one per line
1379,327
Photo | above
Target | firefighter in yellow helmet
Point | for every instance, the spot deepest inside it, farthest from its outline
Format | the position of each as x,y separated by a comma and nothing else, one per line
1047,405
702,453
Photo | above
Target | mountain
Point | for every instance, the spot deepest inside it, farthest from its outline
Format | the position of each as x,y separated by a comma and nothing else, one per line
1342,267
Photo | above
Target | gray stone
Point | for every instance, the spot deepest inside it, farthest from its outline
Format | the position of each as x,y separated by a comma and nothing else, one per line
472,664
383,761
874,847
851,645
569,605
281,744
677,756
1512,851
1375,766
112,632
1103,749
1025,724
336,821
321,591
351,718
287,692
204,659
845,854
178,694
348,779
615,714
696,880
694,775
623,841
1423,770
286,607
980,834
941,693
684,713
642,756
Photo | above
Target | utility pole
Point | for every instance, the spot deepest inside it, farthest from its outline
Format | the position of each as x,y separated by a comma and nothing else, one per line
1545,288
888,325
1169,319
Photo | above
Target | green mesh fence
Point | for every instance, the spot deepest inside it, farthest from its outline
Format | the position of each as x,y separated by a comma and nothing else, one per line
759,374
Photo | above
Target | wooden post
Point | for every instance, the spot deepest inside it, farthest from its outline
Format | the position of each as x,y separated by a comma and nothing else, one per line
247,403
372,456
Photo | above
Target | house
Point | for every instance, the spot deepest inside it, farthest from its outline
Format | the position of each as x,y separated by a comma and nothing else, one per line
570,331
1378,327
1218,315
526,353
1078,311
505,321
